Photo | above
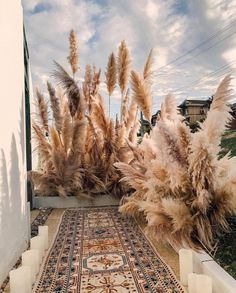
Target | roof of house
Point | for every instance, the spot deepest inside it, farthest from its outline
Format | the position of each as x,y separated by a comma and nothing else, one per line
188,102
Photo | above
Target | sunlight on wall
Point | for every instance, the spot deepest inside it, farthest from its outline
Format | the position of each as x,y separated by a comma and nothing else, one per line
14,222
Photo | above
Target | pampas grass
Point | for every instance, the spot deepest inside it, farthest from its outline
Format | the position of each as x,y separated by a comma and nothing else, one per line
123,67
83,142
148,68
55,106
70,86
111,74
141,94
172,177
111,77
73,57
42,110
87,84
179,183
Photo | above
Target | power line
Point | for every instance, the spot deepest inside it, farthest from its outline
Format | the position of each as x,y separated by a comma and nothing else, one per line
215,72
207,49
213,36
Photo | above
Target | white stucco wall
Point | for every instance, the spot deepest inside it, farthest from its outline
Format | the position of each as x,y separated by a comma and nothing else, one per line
14,221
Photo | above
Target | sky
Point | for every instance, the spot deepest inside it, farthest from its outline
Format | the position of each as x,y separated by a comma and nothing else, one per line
194,41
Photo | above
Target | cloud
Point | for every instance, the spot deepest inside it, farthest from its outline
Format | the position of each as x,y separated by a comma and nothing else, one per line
171,27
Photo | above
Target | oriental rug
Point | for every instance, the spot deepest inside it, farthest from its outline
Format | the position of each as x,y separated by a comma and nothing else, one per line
97,250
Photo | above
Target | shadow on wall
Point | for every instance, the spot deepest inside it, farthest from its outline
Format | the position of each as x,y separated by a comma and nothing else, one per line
12,212
22,130
4,200
15,184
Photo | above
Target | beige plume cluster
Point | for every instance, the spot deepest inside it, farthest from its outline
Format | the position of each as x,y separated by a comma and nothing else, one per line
78,148
173,178
181,186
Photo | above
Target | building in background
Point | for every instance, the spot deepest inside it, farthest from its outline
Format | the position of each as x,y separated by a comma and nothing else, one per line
195,110
14,136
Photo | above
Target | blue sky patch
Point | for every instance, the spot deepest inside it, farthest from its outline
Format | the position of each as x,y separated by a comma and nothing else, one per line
41,7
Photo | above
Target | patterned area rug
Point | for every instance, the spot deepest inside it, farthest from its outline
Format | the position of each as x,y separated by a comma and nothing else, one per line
99,251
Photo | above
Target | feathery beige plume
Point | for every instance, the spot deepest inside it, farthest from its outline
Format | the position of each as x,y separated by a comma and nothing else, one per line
55,106
125,108
87,84
58,153
70,86
111,74
80,113
111,77
205,147
141,94
99,117
148,72
123,66
55,138
132,115
91,135
169,110
42,109
133,132
95,81
78,140
130,208
73,58
222,95
66,128
44,147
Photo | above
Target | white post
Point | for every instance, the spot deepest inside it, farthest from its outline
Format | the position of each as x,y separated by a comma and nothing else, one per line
203,284
38,243
192,283
43,231
20,280
185,265
31,258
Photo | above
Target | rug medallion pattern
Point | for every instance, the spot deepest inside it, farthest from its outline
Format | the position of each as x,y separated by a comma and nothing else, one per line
99,251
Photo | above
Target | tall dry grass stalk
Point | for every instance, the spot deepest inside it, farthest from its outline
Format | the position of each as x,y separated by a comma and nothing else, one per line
73,57
87,84
148,68
173,178
123,65
42,107
111,75
55,106
141,94
123,68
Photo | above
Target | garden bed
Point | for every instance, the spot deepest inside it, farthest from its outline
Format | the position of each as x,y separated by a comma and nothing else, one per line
74,202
